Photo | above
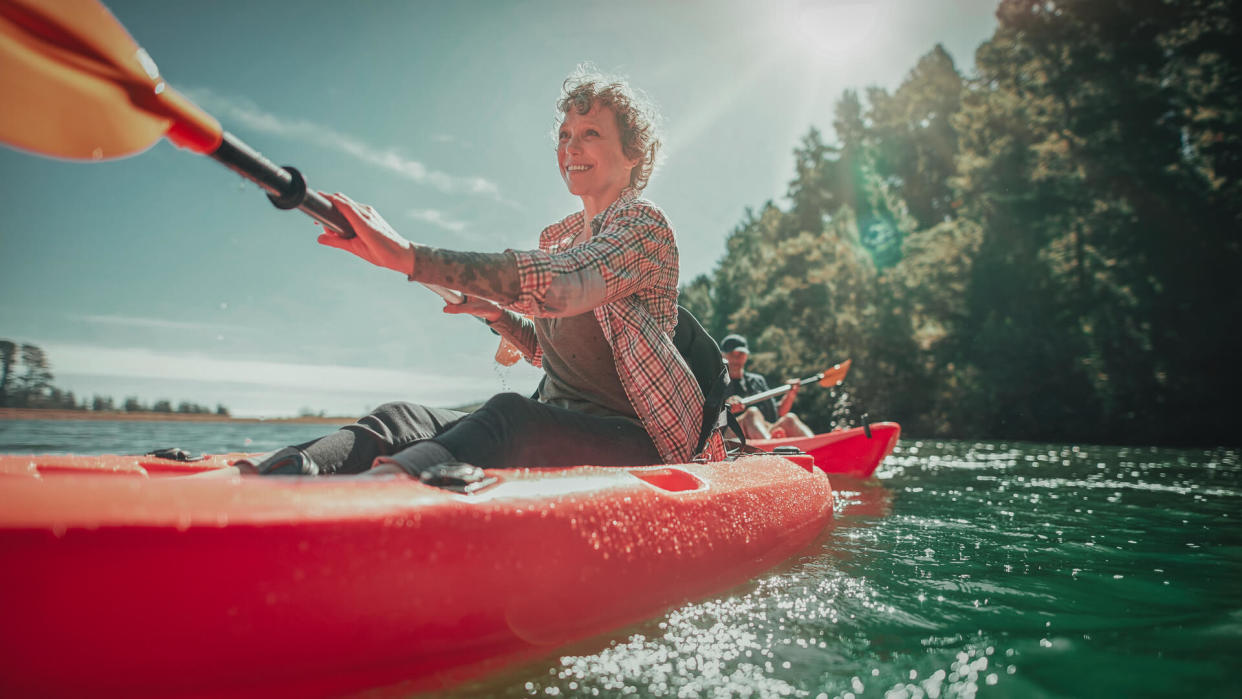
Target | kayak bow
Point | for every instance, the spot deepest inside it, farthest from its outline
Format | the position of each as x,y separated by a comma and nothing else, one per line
233,585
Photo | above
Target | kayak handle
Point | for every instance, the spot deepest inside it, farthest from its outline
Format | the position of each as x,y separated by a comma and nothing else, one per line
286,188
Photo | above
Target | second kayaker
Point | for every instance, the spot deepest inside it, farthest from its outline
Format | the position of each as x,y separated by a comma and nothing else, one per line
595,306
765,419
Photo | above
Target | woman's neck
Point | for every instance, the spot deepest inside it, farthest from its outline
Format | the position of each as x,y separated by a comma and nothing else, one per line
589,211
592,205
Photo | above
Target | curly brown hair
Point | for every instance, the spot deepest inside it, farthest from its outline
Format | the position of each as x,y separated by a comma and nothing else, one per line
636,116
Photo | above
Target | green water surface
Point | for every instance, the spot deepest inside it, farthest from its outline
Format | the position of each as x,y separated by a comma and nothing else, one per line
962,569
967,569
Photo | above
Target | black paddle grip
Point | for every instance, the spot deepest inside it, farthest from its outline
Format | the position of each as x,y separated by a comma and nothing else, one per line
285,186
294,195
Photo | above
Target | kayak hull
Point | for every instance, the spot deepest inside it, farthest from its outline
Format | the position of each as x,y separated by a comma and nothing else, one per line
126,583
853,452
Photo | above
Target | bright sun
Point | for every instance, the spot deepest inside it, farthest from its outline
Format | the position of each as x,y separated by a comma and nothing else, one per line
835,30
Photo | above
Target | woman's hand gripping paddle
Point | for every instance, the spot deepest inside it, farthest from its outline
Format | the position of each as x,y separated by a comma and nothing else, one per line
78,86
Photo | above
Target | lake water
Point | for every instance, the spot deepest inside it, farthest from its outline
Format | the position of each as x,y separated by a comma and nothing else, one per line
963,569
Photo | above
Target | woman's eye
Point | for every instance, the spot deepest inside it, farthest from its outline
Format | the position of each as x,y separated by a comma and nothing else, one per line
564,135
592,132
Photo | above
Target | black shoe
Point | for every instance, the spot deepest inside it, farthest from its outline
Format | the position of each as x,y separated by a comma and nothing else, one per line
456,476
288,461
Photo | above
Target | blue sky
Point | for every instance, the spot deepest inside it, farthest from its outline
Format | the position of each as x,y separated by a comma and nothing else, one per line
163,275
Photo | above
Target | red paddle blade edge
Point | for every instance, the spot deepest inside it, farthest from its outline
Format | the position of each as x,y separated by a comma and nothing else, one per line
78,86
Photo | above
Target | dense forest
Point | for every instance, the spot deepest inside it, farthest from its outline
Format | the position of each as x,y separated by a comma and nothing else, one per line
26,382
1045,250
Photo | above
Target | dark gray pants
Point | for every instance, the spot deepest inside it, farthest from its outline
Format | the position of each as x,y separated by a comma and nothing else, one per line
508,431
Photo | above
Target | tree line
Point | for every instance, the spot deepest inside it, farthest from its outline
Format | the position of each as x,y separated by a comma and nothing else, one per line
1046,250
26,382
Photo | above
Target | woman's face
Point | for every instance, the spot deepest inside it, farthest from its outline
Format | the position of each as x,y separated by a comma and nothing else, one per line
589,154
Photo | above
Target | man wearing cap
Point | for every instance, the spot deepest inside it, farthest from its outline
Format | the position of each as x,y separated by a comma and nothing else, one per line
764,419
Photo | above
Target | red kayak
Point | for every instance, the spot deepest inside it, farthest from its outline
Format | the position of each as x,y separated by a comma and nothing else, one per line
854,452
132,576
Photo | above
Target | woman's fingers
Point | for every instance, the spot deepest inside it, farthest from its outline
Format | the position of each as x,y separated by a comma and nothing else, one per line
356,214
475,306
333,240
375,240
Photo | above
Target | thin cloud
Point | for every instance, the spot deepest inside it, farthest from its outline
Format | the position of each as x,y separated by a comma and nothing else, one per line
436,218
450,138
247,113
156,323
431,387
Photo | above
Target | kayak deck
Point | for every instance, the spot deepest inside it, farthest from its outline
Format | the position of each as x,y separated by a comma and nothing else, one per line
243,585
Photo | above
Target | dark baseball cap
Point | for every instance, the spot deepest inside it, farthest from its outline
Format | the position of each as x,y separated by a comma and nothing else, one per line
734,342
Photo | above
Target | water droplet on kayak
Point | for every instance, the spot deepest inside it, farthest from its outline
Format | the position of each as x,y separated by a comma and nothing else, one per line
97,154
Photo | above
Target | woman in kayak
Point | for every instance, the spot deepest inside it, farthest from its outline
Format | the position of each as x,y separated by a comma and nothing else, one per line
595,306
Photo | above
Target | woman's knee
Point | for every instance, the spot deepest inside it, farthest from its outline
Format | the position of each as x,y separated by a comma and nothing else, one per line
392,414
507,408
399,422
506,402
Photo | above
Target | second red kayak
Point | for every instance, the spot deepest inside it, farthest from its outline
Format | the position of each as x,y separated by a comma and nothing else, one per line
854,452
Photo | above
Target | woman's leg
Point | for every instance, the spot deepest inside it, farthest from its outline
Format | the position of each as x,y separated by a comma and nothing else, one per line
513,431
386,430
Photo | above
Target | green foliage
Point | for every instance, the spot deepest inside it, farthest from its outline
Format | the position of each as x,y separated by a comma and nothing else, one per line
8,357
28,384
1044,251
25,377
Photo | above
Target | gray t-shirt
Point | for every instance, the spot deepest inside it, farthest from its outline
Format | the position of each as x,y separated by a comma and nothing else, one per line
581,371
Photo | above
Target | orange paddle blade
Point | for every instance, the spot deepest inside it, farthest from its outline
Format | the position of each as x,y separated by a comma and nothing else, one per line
507,354
76,85
836,374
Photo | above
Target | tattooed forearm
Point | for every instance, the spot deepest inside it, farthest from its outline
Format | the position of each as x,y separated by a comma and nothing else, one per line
492,276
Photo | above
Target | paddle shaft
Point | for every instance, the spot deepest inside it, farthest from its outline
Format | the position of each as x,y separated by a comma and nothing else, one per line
286,188
280,184
832,376
779,390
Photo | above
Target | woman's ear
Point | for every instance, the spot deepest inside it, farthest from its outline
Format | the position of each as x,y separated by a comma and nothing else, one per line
633,163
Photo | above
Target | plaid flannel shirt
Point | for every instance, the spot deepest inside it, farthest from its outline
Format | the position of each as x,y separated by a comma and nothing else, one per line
627,273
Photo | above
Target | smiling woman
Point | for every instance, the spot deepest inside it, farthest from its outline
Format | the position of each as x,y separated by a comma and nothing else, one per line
603,280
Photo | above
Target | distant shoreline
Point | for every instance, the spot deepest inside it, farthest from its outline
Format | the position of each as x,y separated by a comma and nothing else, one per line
40,414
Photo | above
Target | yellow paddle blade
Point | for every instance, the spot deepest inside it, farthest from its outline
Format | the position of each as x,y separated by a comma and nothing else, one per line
76,85
835,375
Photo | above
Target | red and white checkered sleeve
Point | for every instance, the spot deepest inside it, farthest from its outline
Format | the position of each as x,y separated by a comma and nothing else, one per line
633,248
